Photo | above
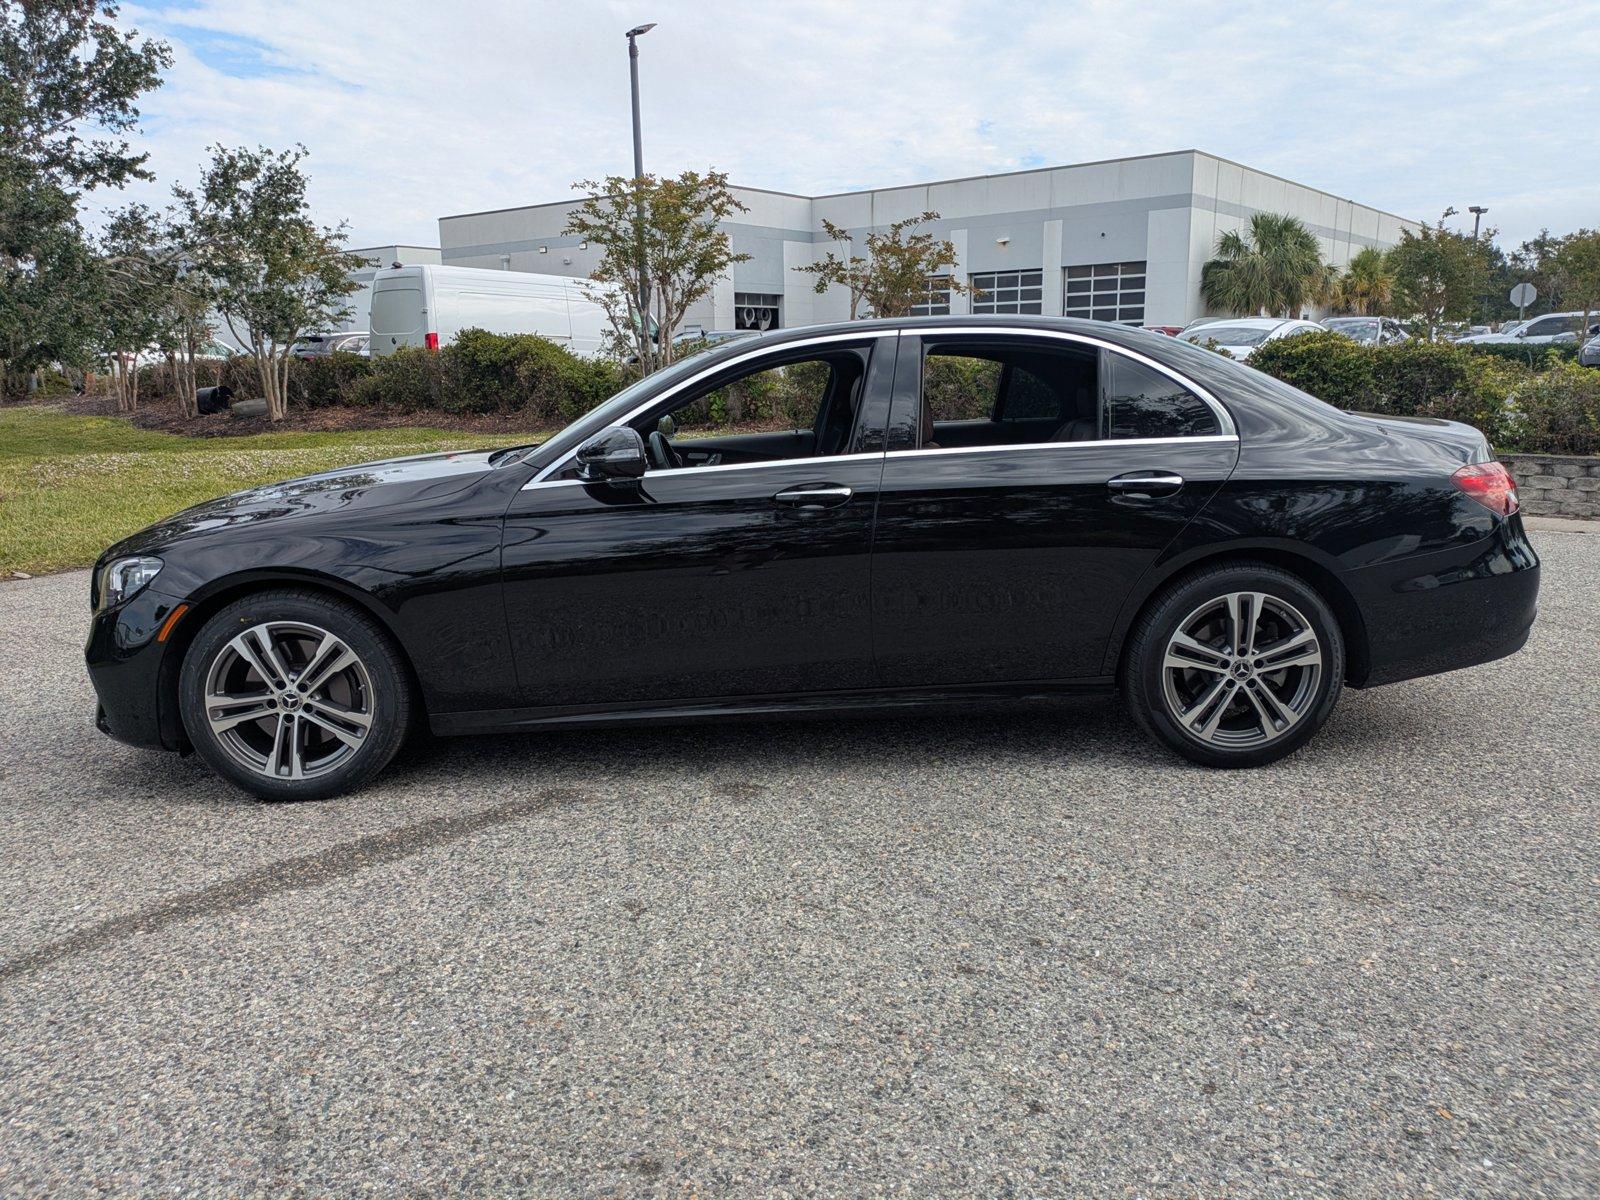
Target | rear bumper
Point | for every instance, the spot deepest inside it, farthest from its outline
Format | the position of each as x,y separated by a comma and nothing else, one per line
129,667
1453,609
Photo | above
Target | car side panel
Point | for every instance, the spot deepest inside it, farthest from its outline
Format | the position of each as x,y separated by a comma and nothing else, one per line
1370,502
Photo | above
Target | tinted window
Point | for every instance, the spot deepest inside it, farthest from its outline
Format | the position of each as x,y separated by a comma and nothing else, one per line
960,387
984,392
1029,398
1143,403
1550,326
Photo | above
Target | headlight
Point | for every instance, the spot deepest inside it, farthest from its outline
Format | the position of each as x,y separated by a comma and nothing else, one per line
126,576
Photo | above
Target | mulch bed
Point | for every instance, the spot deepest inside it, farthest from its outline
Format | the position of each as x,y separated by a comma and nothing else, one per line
164,415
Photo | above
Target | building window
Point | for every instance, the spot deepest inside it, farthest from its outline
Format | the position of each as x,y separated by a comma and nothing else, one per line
1008,292
756,310
1107,292
935,300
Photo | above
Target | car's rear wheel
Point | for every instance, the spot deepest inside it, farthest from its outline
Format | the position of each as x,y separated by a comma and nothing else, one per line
1235,665
294,696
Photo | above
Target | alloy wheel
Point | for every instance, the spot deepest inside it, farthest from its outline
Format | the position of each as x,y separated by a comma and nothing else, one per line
1242,670
289,700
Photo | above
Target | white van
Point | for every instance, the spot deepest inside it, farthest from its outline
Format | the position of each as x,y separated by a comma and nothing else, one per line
428,306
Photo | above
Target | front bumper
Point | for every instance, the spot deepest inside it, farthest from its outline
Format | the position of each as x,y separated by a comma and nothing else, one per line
1444,611
134,674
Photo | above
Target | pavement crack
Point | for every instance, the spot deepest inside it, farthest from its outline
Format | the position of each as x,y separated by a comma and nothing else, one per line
275,879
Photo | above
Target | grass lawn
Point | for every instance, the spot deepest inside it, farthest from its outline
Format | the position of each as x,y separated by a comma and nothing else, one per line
71,485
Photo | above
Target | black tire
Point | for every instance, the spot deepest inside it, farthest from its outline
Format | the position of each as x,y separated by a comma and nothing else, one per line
376,688
1306,692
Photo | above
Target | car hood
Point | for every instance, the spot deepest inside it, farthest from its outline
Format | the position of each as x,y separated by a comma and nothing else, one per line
357,488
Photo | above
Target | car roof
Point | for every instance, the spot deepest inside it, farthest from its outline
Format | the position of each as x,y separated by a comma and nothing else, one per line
1260,322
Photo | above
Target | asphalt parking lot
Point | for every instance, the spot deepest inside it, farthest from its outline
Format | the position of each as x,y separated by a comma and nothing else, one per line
998,955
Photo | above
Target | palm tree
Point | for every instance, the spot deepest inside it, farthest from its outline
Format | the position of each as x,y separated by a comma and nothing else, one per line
1366,287
1278,269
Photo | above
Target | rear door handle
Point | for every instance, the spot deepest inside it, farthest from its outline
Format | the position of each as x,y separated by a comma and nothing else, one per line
822,495
1146,483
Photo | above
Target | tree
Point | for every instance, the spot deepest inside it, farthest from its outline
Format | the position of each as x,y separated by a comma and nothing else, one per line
1578,264
1439,274
1277,270
274,273
895,273
1536,262
685,251
1366,287
65,68
133,308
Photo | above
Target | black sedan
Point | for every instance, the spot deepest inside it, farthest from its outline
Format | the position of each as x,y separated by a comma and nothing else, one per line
931,511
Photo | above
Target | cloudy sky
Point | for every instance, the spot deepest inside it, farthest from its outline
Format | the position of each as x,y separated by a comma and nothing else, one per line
416,110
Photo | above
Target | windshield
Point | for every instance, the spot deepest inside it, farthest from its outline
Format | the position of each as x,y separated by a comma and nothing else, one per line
1224,334
1362,329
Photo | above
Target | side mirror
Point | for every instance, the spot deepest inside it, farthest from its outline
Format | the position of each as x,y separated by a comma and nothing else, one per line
613,455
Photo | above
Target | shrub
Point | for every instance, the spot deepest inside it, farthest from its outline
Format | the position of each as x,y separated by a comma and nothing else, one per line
1329,366
405,380
486,372
1555,412
328,381
1412,379
1537,357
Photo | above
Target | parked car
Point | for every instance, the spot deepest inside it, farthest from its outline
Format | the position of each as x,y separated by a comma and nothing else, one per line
1589,356
1550,329
711,337
1369,331
427,306
1240,336
321,345
1169,330
1067,508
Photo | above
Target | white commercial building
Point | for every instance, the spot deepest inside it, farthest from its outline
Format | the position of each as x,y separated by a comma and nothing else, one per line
1120,240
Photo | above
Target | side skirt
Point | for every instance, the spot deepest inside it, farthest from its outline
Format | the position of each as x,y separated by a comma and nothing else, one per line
757,708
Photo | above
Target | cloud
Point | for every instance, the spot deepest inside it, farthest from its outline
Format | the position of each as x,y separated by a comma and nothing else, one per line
412,110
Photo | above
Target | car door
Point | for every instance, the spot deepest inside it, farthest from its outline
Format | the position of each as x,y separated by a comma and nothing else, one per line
1007,561
742,571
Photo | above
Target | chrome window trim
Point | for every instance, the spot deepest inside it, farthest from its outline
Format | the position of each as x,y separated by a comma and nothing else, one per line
761,352
657,472
1225,423
1099,443
1096,444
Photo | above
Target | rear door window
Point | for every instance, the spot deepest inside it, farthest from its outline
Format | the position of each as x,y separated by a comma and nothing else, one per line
1016,391
1140,402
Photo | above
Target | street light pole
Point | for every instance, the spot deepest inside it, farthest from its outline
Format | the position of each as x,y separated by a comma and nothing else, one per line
634,34
1477,211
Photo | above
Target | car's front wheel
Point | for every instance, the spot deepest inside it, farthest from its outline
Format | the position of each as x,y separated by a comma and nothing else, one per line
1235,665
293,695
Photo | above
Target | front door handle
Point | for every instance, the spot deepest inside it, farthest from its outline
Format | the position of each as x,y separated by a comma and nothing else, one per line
822,495
1146,483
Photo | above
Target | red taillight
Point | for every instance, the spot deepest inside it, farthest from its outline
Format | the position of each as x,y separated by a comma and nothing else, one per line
431,341
1490,484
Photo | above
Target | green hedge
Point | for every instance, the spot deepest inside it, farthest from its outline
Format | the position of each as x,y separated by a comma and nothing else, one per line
1551,407
1527,356
477,373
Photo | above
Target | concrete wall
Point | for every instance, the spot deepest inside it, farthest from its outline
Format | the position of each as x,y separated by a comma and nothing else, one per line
1166,210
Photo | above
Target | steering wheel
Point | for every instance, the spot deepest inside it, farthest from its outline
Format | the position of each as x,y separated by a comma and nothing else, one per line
662,456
